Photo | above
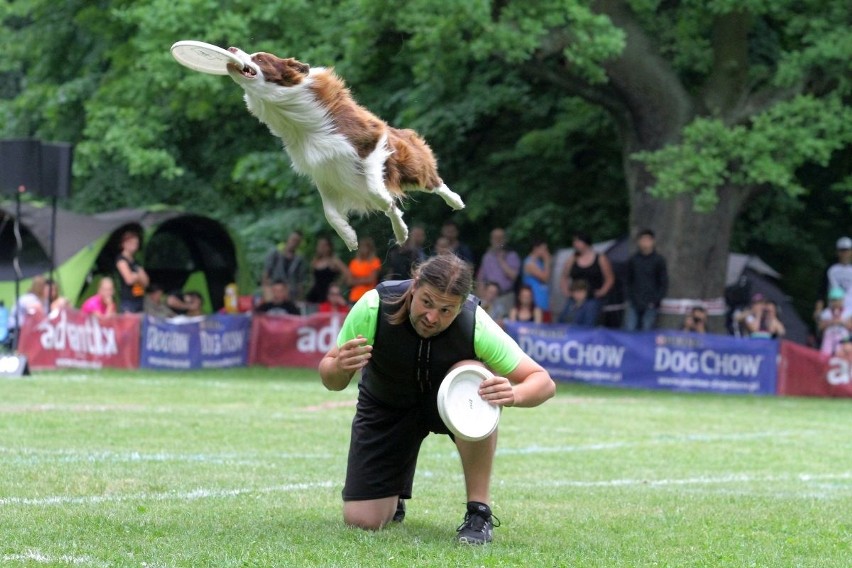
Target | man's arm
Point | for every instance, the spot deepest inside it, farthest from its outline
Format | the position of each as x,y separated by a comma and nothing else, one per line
340,363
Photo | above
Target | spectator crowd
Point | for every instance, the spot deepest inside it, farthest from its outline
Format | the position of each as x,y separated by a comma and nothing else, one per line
511,286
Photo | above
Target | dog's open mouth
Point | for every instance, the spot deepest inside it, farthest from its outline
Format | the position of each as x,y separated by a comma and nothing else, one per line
246,67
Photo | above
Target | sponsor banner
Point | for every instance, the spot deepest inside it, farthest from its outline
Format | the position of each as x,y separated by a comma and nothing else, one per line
807,372
293,341
669,360
70,338
206,342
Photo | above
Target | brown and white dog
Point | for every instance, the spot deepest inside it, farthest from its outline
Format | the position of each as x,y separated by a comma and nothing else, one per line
358,163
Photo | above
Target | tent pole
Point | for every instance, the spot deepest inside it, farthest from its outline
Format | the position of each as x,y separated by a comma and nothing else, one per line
19,246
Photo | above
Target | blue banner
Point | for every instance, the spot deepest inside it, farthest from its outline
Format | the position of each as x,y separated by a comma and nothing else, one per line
664,359
195,343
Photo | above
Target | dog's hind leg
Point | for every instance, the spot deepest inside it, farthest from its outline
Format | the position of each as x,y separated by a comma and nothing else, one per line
450,197
340,223
400,229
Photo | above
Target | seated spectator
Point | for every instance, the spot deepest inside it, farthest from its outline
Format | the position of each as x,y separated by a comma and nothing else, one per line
102,303
748,317
53,299
280,302
155,304
695,320
525,309
402,258
194,303
29,304
492,302
763,321
578,309
335,302
833,323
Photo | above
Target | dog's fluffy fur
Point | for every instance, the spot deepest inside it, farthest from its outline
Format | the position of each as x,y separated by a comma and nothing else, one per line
358,162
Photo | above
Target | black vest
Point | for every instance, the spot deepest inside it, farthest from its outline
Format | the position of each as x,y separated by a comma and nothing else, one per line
406,368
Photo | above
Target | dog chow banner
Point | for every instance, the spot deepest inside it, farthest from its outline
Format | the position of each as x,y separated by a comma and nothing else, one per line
207,342
70,338
668,360
293,341
807,372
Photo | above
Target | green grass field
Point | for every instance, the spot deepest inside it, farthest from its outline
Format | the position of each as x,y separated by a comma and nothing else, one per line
245,468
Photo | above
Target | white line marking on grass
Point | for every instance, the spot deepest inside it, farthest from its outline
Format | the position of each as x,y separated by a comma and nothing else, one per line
41,558
193,495
702,480
640,443
24,456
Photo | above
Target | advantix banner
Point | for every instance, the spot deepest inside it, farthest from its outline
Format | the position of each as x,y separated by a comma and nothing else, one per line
669,360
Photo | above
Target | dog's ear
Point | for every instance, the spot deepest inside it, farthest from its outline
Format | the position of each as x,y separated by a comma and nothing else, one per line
304,68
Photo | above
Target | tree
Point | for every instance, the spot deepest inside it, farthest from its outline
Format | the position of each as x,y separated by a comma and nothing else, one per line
714,102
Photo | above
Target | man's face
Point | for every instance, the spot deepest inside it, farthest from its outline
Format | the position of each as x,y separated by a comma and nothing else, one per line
498,238
646,244
431,311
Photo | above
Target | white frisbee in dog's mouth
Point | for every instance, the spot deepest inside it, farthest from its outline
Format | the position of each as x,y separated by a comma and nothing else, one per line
205,57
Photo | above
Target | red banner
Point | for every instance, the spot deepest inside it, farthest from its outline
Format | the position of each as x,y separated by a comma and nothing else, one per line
807,372
71,338
292,341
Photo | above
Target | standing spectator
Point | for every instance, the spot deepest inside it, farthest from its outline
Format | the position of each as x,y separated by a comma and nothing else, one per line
525,309
695,320
442,246
834,322
500,265
280,303
839,274
285,263
132,279
364,269
450,231
102,303
647,283
536,275
590,266
578,310
326,268
335,303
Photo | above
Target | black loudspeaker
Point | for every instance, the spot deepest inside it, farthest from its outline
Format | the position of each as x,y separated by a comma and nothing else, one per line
55,169
13,366
20,165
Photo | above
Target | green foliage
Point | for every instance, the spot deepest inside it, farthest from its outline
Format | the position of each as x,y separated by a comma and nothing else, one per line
767,152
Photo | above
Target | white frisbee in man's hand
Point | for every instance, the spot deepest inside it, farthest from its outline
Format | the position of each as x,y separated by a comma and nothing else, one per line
464,412
204,57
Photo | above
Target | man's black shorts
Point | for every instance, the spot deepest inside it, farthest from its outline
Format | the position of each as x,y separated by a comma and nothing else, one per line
384,446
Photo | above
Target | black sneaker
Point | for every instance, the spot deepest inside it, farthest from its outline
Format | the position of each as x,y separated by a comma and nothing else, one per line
399,516
478,524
